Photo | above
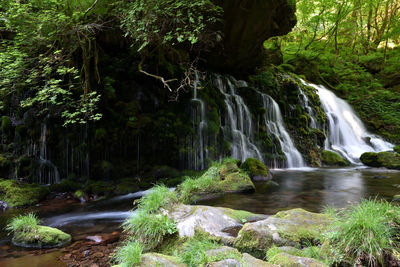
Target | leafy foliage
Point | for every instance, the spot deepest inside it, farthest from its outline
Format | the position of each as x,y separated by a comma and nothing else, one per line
168,22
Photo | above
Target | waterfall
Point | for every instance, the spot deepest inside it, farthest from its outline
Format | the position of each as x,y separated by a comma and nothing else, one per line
303,98
274,124
199,120
347,134
47,172
238,126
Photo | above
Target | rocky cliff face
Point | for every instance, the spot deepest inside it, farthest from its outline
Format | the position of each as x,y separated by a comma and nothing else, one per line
247,24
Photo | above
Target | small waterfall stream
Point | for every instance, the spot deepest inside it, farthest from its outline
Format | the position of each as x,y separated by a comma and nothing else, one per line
347,134
238,125
273,121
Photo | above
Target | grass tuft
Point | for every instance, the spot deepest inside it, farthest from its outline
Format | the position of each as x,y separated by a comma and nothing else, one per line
129,254
23,223
150,229
159,197
366,232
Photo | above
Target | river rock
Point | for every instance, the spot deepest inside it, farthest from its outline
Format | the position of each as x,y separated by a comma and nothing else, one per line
3,206
213,220
287,260
104,239
286,228
256,170
331,158
155,259
41,237
390,160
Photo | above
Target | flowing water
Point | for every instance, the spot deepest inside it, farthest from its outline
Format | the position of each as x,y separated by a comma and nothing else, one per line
347,134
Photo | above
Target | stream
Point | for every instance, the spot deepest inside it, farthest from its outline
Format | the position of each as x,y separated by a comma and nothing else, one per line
309,188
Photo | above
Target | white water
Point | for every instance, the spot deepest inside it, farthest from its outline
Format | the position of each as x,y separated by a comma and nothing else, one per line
305,103
84,217
347,134
238,127
199,150
274,123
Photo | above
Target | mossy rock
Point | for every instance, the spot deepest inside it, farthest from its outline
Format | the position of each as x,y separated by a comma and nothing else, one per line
256,169
390,160
331,158
41,237
286,228
66,185
155,259
16,194
287,260
222,178
396,149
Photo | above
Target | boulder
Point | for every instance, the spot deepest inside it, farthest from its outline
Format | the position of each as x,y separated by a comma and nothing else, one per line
155,259
21,194
390,160
232,257
287,260
222,178
256,170
3,206
41,237
212,220
286,228
331,158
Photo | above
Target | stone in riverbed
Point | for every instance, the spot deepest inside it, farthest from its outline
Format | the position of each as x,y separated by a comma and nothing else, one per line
212,220
256,170
390,160
331,158
41,237
286,228
155,259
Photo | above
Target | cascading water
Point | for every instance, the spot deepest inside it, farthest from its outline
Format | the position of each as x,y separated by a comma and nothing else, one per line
199,118
347,134
238,126
305,103
274,124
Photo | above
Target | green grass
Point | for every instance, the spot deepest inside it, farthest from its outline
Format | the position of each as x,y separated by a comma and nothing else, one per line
129,254
194,251
149,229
366,231
23,223
159,197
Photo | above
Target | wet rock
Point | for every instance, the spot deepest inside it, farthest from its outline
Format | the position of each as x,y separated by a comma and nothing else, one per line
41,237
212,220
288,260
390,160
331,158
104,239
86,253
283,229
155,259
256,170
3,206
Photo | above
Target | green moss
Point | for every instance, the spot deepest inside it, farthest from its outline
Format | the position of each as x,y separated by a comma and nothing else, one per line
239,215
5,123
287,260
225,177
15,194
3,161
254,167
397,149
66,185
41,237
252,243
78,193
307,226
126,186
388,160
331,158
